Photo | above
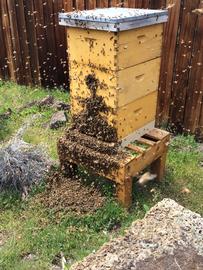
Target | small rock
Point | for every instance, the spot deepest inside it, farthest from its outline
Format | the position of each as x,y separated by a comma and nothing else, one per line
6,115
61,106
58,119
29,257
200,148
186,190
47,101
56,267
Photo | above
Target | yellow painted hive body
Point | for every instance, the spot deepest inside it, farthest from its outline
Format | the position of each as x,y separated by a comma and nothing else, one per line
126,65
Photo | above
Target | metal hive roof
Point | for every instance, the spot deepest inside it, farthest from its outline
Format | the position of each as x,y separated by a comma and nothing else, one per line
113,19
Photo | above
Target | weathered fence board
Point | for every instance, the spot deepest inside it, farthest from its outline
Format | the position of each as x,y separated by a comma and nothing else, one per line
199,130
51,75
32,41
195,80
91,4
23,43
34,51
68,5
158,4
168,58
7,39
4,72
41,40
15,41
60,40
183,63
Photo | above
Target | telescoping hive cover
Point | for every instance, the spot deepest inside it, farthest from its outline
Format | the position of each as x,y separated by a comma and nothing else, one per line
113,19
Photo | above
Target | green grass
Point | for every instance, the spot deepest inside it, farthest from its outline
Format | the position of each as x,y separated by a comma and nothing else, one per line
26,227
142,145
32,229
15,97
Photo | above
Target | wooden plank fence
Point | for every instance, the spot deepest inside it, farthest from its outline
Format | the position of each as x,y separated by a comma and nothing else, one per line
33,51
33,46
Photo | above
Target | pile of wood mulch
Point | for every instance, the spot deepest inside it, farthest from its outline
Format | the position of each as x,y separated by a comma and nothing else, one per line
65,194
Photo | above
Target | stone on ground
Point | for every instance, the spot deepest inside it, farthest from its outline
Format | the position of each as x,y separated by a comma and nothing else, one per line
61,106
58,119
46,102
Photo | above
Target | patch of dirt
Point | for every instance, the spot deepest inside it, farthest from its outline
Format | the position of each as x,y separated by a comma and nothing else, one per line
70,195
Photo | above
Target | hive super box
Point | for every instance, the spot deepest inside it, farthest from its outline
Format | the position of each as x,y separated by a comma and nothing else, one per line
121,49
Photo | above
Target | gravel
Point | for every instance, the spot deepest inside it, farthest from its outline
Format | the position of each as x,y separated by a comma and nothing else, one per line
169,237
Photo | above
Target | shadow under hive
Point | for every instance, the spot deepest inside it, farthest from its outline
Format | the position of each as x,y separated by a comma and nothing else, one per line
114,59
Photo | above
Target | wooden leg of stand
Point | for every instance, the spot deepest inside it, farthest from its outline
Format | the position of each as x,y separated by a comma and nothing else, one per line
124,192
158,166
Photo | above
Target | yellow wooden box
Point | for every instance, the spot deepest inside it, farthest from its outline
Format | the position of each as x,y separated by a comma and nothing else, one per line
121,49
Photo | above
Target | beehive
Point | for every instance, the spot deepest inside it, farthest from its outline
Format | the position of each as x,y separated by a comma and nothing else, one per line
115,53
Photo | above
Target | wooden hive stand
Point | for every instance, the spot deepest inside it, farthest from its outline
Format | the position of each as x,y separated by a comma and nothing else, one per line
149,150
